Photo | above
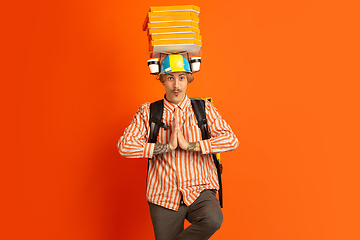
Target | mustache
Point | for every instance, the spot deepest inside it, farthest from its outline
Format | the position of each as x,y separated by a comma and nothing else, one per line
176,90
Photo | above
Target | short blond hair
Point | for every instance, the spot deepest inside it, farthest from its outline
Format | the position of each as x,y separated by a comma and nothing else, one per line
189,77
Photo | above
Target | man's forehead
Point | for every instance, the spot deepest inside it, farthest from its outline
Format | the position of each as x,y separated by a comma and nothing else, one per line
178,73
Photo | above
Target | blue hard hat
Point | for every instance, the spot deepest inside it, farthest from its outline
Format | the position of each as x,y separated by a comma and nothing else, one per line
174,63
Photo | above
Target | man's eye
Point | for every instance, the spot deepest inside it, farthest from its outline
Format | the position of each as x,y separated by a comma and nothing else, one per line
170,78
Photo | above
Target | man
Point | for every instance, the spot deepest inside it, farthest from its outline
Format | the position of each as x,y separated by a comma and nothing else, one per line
182,178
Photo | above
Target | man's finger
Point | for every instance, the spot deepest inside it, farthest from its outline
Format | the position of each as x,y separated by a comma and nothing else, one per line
174,123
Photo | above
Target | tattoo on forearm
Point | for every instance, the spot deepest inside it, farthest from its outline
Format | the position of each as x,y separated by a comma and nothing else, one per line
192,146
161,148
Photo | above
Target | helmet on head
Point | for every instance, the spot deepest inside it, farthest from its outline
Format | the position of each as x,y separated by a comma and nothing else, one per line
174,63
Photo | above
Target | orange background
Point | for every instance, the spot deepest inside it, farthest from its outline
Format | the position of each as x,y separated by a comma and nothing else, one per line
284,74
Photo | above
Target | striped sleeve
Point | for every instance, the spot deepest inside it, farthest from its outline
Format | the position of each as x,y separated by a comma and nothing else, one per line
133,143
222,137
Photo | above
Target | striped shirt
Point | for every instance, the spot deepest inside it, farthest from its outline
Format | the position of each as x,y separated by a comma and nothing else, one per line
180,172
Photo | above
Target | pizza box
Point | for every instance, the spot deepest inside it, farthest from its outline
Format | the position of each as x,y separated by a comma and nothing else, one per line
175,36
191,8
173,30
173,19
172,24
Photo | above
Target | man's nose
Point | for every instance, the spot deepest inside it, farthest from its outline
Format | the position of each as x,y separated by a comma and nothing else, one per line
176,83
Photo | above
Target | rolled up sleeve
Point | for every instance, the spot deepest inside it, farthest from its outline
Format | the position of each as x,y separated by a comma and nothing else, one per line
134,142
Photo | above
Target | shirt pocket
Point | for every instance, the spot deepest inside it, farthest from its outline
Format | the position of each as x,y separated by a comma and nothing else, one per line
192,133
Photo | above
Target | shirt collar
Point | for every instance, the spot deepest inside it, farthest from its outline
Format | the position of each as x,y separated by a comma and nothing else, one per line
182,105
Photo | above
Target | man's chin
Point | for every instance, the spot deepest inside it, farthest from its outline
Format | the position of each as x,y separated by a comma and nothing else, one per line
176,98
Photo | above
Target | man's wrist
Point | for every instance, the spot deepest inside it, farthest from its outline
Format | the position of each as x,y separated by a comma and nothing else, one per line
193,146
162,148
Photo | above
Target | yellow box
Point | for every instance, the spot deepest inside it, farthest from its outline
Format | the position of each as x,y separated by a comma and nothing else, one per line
154,15
174,19
172,14
172,24
175,8
175,36
173,30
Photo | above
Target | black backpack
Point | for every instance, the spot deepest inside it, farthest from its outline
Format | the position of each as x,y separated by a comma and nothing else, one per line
198,105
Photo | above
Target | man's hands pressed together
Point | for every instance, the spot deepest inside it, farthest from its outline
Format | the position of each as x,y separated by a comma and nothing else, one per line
176,140
174,135
182,143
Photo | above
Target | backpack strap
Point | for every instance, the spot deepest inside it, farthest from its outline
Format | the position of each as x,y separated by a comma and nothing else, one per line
155,122
199,110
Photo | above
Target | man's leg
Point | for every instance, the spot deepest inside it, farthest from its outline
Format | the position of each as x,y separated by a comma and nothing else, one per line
167,223
205,216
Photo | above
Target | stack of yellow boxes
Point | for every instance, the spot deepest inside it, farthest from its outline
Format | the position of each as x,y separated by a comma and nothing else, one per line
173,29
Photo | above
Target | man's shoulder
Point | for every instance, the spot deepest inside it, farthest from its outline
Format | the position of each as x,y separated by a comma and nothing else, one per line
143,109
147,104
